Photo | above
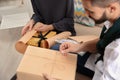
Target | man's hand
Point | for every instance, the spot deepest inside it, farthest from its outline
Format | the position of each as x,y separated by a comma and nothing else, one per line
84,46
69,47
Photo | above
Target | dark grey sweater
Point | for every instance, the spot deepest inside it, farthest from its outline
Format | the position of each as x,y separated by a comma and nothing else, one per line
59,13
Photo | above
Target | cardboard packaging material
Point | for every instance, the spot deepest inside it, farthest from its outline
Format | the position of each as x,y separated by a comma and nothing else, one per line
21,44
84,38
62,35
37,61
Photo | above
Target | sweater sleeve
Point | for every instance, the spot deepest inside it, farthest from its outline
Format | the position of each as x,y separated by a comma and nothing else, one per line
67,23
36,16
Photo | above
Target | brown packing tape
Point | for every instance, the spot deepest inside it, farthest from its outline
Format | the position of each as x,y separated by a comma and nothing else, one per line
62,35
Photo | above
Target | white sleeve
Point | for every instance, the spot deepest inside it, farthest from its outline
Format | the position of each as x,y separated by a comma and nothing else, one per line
111,65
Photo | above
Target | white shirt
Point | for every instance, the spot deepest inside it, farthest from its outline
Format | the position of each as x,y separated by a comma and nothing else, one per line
90,63
109,69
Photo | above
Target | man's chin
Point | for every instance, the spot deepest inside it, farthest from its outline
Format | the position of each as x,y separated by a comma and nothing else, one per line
99,22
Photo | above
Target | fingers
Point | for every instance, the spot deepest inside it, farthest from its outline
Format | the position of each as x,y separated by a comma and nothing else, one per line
65,48
30,27
38,26
47,77
24,30
27,27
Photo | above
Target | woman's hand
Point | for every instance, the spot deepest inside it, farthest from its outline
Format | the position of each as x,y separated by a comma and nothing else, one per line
28,27
40,27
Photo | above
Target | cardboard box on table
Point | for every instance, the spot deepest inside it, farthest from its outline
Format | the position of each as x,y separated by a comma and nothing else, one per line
37,61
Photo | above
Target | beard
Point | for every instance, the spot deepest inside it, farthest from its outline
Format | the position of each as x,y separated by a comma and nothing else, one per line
101,20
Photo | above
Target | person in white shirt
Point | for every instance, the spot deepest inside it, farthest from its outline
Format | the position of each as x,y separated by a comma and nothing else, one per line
107,65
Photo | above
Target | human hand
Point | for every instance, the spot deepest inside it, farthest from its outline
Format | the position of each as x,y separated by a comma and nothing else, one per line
69,47
27,27
47,77
83,46
40,27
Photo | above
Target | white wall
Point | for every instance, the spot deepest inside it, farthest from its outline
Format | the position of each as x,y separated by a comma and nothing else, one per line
14,6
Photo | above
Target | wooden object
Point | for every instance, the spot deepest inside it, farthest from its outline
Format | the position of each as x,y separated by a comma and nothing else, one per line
37,61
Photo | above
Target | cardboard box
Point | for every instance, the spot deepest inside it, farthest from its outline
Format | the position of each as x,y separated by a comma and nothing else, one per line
37,61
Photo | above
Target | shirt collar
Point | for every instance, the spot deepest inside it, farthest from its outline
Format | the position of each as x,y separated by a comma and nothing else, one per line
107,24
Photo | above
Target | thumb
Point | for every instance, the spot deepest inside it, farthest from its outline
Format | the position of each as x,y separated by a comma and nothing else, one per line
48,77
65,51
30,27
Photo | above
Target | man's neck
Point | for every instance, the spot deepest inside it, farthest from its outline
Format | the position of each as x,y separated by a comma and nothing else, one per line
112,20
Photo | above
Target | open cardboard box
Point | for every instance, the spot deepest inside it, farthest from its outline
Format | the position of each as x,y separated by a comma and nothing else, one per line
37,61
21,44
84,38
